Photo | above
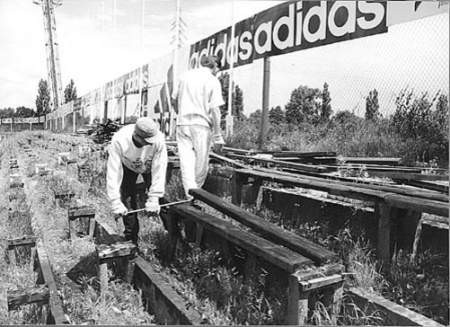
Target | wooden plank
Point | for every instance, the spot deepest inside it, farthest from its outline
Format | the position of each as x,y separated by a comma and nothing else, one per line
426,194
27,240
409,176
396,315
285,164
162,300
119,249
277,255
268,230
16,185
64,195
428,185
320,282
287,154
39,294
56,308
81,211
220,158
396,200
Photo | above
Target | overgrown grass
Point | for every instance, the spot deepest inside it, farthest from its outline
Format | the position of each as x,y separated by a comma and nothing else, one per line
421,285
119,305
417,132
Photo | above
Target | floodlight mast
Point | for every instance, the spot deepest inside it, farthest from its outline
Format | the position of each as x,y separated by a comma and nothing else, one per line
51,46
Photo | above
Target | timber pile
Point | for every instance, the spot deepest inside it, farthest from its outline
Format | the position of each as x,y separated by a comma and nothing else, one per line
103,132
328,164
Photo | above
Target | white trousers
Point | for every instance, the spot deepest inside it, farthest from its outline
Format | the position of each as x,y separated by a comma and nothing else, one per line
194,143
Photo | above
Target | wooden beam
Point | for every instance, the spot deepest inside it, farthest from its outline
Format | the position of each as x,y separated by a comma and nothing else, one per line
39,294
119,249
56,308
396,200
396,315
285,164
335,180
281,257
268,230
162,300
27,240
80,211
229,161
287,154
320,282
64,195
427,185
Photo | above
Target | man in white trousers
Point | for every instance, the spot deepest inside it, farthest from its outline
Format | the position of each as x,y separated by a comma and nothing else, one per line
198,98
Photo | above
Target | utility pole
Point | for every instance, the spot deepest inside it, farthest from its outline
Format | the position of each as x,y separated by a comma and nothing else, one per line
141,72
229,116
178,36
178,29
265,103
51,46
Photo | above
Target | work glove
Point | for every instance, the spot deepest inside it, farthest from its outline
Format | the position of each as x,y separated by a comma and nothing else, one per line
119,208
218,142
152,206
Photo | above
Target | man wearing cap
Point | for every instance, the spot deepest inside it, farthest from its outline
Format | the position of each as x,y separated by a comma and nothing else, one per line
136,149
198,98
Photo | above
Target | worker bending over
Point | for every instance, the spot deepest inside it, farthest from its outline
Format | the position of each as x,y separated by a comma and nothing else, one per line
198,98
136,149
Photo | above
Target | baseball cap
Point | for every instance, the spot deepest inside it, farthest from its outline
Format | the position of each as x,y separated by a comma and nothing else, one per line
147,129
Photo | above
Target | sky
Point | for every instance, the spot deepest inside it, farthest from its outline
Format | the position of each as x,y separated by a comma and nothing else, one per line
98,43
96,46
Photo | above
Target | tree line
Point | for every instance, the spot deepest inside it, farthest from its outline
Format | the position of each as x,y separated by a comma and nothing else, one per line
42,102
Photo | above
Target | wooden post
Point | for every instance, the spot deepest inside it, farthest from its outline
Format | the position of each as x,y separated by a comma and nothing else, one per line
130,271
74,122
103,277
333,298
198,234
383,212
237,182
250,266
265,103
416,240
297,310
12,257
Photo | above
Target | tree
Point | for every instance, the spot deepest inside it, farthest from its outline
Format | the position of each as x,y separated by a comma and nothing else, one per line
237,107
24,112
43,98
372,106
326,110
303,106
6,113
276,115
70,92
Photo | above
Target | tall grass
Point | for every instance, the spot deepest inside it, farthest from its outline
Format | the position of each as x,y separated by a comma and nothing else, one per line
417,133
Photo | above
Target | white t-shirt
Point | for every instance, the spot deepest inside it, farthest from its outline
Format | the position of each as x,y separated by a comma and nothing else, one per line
198,91
149,158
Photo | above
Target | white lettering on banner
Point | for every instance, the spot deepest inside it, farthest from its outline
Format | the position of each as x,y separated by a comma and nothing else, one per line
287,21
376,9
246,46
293,26
267,45
321,13
349,26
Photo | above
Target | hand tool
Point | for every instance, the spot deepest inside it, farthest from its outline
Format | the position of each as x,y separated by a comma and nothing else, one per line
161,206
